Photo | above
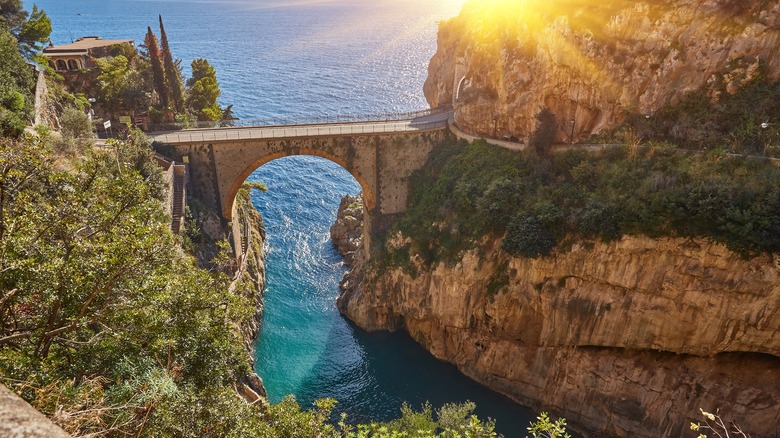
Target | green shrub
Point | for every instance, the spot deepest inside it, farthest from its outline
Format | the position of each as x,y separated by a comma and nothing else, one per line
733,121
75,124
526,236
468,191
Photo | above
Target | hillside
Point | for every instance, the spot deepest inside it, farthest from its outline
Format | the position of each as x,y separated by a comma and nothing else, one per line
596,64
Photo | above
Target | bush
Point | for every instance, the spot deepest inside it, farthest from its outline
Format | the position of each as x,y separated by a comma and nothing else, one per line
733,121
75,124
467,191
526,236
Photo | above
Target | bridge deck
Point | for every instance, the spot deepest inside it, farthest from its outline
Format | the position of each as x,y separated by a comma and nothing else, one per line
425,123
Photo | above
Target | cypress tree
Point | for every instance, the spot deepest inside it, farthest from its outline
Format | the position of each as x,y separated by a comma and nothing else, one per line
172,74
158,73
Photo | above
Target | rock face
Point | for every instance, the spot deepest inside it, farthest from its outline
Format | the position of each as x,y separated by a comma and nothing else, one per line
347,231
624,339
592,63
20,420
249,236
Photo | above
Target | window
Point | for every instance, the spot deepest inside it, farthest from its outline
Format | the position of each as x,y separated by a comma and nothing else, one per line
61,65
72,64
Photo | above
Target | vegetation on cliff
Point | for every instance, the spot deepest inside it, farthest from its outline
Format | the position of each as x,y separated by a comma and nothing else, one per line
596,63
105,325
16,84
151,80
21,35
742,121
467,191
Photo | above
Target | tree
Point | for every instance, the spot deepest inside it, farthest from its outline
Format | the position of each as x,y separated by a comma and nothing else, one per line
16,84
12,15
35,32
527,236
543,137
203,91
172,73
75,124
122,87
113,80
31,30
228,119
158,72
544,428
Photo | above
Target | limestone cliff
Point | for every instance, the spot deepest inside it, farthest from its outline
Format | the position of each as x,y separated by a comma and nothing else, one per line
248,233
628,338
592,63
347,232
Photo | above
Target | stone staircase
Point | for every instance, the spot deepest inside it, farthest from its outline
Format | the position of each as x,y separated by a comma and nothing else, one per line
177,212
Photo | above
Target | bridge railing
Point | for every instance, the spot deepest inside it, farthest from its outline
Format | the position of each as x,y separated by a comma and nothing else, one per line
287,131
297,120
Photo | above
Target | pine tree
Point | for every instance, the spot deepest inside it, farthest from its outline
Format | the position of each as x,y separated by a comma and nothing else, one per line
172,74
158,72
31,30
203,91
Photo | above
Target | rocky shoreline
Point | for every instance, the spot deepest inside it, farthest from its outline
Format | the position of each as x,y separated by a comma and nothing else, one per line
347,232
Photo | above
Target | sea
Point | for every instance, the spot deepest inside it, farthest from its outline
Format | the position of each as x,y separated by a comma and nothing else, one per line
297,59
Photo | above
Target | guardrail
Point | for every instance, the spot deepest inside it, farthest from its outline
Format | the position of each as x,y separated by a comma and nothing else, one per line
298,120
282,131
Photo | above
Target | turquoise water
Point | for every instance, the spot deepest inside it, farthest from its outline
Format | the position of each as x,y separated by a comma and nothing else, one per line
277,58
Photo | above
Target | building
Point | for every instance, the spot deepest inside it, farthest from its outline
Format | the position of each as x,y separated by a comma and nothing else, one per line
82,53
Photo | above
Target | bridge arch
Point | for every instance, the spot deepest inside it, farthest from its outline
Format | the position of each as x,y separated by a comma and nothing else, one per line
382,156
369,197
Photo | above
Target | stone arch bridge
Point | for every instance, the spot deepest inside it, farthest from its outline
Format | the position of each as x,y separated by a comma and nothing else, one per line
380,154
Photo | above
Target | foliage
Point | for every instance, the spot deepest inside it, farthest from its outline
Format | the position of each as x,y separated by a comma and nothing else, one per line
543,137
257,185
468,191
158,72
527,236
98,305
75,124
172,73
203,91
35,32
716,424
122,84
16,84
228,119
32,30
453,420
12,14
544,428
731,122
